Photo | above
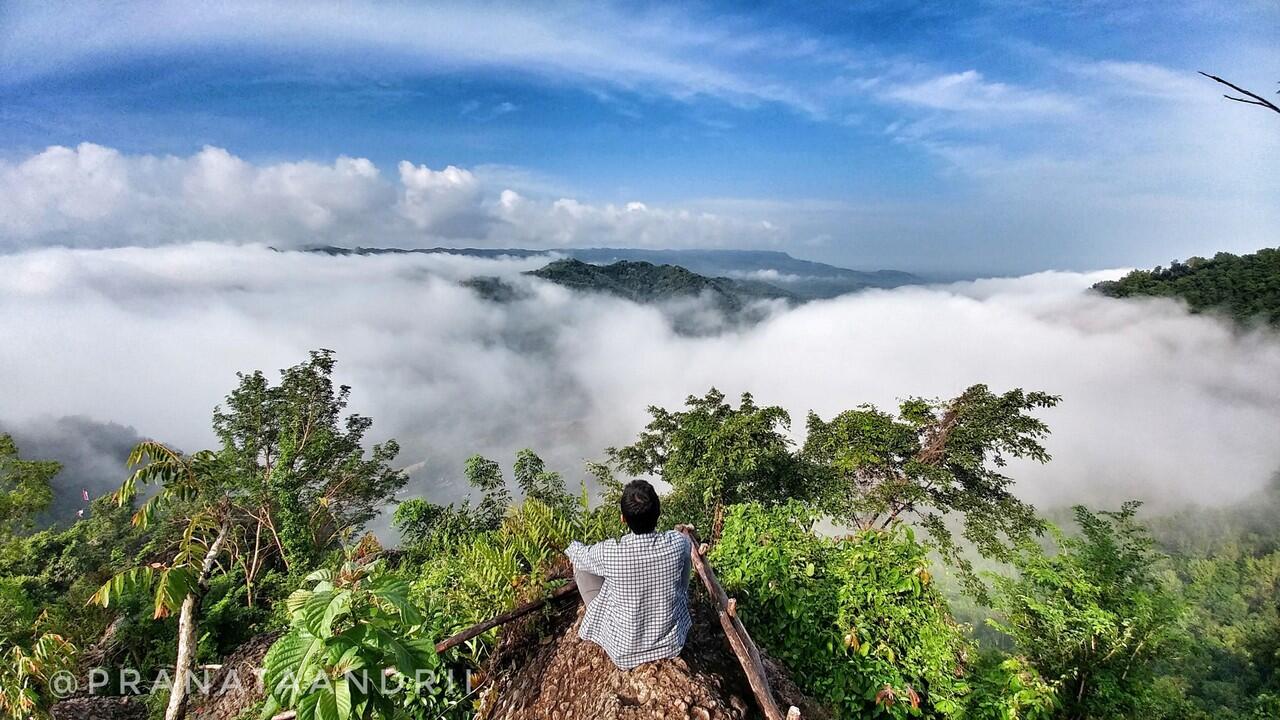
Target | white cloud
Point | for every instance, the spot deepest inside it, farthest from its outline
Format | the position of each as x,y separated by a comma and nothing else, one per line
444,202
1064,160
95,196
1152,165
92,196
567,222
969,92
1138,79
1157,404
769,275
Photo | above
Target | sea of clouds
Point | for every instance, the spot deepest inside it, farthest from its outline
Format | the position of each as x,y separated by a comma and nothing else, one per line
1157,404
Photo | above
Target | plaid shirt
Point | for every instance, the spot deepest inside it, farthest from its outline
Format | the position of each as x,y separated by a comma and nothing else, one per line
642,611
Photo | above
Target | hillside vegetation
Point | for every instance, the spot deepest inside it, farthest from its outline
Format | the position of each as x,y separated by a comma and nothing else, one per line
1111,616
1243,287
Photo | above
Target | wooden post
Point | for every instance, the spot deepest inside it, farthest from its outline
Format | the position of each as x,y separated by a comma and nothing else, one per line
739,640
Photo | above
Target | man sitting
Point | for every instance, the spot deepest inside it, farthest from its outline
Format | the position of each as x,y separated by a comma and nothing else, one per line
636,589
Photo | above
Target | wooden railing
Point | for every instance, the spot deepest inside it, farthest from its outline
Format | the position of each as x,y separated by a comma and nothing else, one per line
739,639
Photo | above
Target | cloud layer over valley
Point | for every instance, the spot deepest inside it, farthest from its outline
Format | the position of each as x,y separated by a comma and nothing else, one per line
1157,404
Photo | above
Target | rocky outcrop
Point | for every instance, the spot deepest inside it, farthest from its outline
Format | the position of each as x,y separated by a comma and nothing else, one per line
235,688
100,708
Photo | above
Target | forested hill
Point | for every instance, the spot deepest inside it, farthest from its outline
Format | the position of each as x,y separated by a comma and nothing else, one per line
644,282
804,279
1246,287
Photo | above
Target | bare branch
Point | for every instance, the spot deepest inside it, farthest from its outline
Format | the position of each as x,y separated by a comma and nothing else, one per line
1257,99
1243,100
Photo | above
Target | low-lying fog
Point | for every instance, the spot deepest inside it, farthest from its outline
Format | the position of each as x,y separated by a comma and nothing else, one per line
1157,404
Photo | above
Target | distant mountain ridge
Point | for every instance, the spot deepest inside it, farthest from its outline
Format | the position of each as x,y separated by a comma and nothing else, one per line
801,279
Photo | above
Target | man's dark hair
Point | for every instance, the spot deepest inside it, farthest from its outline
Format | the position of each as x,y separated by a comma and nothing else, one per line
640,506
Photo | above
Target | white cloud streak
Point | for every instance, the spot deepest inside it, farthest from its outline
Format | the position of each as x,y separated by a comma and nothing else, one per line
969,92
1157,404
652,51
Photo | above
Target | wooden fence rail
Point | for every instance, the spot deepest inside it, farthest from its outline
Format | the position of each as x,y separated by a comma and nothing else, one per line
739,639
506,617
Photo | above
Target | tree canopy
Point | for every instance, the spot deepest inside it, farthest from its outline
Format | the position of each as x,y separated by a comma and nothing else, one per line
1245,288
934,459
25,488
714,454
1094,616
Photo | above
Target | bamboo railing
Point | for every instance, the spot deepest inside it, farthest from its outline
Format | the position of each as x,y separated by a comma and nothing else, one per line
744,648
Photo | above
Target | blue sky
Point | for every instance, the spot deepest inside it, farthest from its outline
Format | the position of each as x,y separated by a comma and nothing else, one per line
967,138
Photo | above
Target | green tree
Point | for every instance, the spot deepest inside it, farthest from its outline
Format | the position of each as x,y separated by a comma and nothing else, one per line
300,466
485,475
1229,666
194,486
1243,287
541,484
1008,688
25,488
290,481
350,632
424,526
713,455
1093,617
25,673
931,460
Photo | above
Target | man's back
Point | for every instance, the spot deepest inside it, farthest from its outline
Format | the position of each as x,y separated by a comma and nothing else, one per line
642,611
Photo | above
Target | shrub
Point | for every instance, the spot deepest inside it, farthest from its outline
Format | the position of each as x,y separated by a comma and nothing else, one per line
350,632
857,619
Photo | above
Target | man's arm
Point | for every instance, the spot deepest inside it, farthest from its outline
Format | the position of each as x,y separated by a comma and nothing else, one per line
588,558
687,542
688,539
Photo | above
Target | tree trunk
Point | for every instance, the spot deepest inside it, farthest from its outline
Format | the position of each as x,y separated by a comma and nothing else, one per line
177,708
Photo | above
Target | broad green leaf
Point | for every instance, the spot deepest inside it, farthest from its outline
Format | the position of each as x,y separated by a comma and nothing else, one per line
342,697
